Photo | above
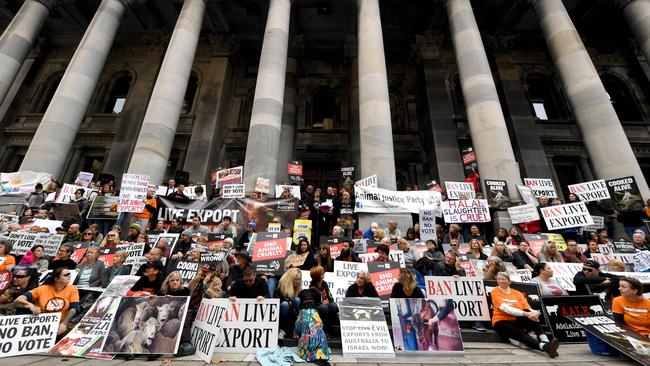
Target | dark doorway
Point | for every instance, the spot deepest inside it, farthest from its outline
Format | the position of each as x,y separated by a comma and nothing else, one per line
320,174
568,172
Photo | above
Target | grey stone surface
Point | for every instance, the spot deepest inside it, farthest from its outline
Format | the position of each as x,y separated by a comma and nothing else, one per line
161,119
287,134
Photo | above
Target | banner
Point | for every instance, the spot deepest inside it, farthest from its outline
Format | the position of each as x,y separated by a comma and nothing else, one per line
467,293
565,216
187,269
248,325
625,193
383,276
22,182
22,242
370,181
269,252
84,179
229,176
103,208
460,190
364,332
147,325
427,225
523,213
642,261
413,332
558,308
262,185
207,326
497,193
541,187
377,200
233,191
294,191
466,211
28,334
302,228
595,190
133,193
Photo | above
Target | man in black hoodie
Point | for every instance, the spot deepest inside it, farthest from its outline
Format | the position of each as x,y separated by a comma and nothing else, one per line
591,275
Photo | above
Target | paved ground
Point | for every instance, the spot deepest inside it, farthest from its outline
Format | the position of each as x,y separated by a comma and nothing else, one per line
475,353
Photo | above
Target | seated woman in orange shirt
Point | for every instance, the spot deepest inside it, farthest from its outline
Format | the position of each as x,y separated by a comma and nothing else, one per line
631,307
513,318
9,261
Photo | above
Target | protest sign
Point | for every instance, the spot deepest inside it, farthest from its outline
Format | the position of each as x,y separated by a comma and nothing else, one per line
229,176
79,251
541,187
497,193
565,216
248,325
527,195
187,269
558,239
347,171
216,239
132,193
624,247
346,272
595,190
294,191
107,255
51,225
66,212
262,185
558,308
412,331
377,200
83,179
383,276
22,182
394,256
625,194
269,252
103,208
5,277
460,190
28,334
523,213
207,326
22,242
146,325
294,170
364,332
467,293
370,181
190,192
233,191
642,261
427,224
214,259
599,223
8,219
166,242
50,242
302,228
564,273
66,195
466,211
604,258
274,227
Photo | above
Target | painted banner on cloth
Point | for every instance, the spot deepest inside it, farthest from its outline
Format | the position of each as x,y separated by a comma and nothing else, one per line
132,193
541,187
269,252
565,216
460,190
412,331
364,332
28,334
595,190
378,200
207,326
229,176
558,308
523,213
468,294
466,211
625,193
248,325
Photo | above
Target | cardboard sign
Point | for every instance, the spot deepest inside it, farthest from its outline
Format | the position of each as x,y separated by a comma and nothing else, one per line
566,216
595,190
377,200
523,213
363,328
383,276
599,223
233,190
370,181
269,252
460,190
50,243
558,308
411,330
262,185
466,211
642,261
207,326
427,225
497,193
248,325
229,176
541,187
28,334
625,193
467,293
132,193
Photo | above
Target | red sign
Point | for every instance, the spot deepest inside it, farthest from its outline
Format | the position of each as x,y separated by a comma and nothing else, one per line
5,280
469,158
335,250
295,169
384,281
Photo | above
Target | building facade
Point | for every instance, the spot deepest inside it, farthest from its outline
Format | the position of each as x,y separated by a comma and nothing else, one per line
542,88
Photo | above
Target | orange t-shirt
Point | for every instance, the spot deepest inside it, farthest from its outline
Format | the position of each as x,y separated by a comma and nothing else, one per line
50,300
9,260
515,299
146,214
635,314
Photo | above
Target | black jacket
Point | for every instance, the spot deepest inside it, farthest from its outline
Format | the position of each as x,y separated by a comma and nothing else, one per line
581,281
368,291
240,290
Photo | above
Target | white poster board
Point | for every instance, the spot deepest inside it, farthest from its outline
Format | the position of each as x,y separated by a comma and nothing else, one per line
132,193
541,187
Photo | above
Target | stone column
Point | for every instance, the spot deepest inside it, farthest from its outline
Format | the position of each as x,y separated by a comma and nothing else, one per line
18,38
266,116
637,14
351,53
376,133
287,134
604,138
53,140
487,125
158,129
71,171
586,169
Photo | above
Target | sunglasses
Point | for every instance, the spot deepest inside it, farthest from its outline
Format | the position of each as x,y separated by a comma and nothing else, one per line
21,276
587,270
67,274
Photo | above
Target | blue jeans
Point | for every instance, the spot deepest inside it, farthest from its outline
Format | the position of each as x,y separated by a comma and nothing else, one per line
287,317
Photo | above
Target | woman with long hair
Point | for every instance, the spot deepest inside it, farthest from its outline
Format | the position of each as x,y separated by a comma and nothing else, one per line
324,258
502,251
301,255
543,277
111,240
173,286
327,309
289,287
476,249
549,253
406,286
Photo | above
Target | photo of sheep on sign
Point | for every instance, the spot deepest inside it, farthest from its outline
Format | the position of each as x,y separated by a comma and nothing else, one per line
146,325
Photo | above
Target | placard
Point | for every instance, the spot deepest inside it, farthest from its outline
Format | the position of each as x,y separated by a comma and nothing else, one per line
51,225
66,195
233,190
624,247
207,326
558,308
377,200
133,193
28,334
262,185
364,332
599,223
190,192
84,179
642,261
383,276
527,195
103,208
50,243
345,273
22,242
541,187
564,273
460,190
625,193
248,325
466,211
370,181
188,270
269,252
394,256
412,331
566,216
294,191
347,171
302,228
427,225
229,176
467,293
523,213
497,193
595,190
